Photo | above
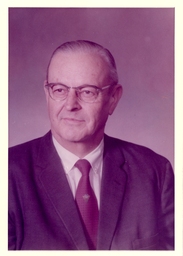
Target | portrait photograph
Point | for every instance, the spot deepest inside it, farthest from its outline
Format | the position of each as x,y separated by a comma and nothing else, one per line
91,129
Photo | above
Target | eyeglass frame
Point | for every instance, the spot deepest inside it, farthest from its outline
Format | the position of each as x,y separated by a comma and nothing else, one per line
50,85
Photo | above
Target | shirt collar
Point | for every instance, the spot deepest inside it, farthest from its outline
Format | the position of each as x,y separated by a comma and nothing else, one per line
69,159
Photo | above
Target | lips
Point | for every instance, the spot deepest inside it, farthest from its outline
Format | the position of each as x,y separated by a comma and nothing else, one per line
72,120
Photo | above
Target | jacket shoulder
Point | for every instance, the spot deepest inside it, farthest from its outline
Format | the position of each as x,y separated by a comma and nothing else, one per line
135,152
142,162
27,150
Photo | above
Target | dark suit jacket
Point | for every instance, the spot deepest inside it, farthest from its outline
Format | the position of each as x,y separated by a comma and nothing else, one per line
136,211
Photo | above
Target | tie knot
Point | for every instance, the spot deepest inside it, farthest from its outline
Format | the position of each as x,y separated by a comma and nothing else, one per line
84,166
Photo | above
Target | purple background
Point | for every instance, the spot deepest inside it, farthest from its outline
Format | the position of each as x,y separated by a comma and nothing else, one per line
142,42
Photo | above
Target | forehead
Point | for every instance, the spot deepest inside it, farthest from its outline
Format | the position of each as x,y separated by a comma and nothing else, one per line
78,65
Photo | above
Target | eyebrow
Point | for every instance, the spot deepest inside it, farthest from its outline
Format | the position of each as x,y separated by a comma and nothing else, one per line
80,86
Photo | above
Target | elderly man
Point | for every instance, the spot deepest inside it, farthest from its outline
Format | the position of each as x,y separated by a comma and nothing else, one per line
76,188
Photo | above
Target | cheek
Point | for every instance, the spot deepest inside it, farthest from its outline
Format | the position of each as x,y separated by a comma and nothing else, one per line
54,110
98,116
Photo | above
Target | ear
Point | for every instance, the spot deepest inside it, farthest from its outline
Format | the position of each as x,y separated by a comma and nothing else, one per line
45,90
115,97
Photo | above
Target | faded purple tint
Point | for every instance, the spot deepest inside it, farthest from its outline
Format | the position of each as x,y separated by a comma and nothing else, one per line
142,42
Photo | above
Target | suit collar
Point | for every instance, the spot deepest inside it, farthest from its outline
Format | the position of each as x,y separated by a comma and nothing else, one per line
55,185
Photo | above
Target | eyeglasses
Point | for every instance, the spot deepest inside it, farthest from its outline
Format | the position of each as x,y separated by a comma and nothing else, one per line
86,93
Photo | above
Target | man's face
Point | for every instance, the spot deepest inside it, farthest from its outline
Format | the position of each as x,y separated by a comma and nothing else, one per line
71,119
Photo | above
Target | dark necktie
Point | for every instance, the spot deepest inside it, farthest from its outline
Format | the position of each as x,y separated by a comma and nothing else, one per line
86,201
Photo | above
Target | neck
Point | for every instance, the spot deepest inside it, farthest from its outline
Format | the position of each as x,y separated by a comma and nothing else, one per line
80,149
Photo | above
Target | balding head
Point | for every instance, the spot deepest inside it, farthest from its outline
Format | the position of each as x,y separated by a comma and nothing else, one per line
89,47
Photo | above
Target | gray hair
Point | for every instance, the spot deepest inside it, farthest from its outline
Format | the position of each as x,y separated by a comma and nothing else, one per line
89,46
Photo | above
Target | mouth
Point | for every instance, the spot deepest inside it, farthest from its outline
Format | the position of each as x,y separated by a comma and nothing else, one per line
72,121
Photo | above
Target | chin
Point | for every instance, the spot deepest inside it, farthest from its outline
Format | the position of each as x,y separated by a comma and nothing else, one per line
72,137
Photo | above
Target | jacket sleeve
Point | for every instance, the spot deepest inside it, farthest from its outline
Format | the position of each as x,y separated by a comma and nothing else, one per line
166,217
15,218
11,234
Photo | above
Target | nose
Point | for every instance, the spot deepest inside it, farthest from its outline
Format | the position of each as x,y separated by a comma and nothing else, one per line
71,103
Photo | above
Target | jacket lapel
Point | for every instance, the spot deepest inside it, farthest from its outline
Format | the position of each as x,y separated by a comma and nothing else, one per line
54,181
57,189
112,192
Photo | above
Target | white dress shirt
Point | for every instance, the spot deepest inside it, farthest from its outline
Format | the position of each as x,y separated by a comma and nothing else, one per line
73,175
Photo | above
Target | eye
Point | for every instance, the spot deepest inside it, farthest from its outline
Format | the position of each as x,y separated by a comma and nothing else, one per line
59,89
88,92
